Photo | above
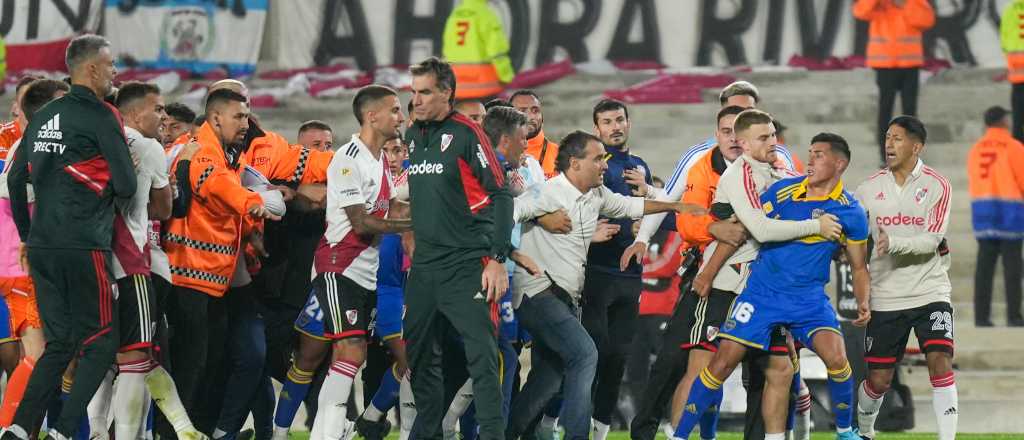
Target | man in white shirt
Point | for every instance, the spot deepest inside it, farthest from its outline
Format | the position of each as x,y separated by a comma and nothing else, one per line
359,193
549,300
908,206
142,108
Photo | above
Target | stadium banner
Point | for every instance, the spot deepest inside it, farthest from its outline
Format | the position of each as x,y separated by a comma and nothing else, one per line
196,35
674,33
37,33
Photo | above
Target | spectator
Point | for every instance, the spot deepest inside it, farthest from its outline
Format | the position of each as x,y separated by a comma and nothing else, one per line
477,47
896,53
1011,26
995,170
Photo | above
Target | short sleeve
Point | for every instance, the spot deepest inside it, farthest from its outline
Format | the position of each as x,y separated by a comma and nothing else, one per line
855,223
769,200
344,182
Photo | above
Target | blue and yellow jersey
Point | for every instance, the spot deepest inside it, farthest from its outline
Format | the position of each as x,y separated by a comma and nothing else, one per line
802,266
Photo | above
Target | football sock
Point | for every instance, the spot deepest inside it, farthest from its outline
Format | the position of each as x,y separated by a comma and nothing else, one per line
15,390
293,392
946,405
705,392
841,389
333,400
868,403
385,398
129,396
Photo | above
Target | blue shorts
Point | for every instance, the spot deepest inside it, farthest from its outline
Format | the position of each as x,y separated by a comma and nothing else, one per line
311,319
390,311
6,335
756,312
508,329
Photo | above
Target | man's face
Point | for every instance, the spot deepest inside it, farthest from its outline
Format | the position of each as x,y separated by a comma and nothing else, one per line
759,140
473,110
823,164
900,148
396,154
745,101
102,71
386,117
430,103
516,145
726,139
592,166
16,107
613,128
230,122
150,116
173,129
530,107
316,139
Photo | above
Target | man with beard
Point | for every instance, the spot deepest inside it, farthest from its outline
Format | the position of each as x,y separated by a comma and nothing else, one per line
537,145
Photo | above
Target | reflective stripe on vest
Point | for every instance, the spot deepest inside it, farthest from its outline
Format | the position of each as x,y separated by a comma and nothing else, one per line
199,275
200,245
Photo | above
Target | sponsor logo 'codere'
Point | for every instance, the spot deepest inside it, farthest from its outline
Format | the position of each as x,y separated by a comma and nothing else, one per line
899,220
426,168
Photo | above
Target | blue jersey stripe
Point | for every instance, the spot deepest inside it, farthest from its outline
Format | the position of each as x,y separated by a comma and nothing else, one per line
685,159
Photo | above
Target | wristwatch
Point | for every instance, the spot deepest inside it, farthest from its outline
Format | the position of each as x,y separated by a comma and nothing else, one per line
500,258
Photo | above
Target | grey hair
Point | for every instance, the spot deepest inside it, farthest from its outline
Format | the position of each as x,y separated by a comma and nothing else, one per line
502,121
82,49
739,88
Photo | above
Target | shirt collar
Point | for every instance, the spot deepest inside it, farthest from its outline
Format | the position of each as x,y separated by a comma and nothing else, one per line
615,153
801,192
574,193
359,142
80,90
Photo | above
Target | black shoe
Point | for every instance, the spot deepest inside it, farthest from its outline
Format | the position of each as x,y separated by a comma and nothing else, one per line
248,434
373,430
985,323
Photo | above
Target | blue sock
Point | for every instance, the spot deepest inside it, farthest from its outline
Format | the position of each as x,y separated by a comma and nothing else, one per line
709,421
705,393
509,361
293,392
83,429
794,392
387,395
840,386
467,424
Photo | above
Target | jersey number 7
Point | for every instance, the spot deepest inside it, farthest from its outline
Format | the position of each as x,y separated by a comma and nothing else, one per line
462,28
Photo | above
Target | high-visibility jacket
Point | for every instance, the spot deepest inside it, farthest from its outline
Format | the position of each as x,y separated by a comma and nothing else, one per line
701,184
10,132
272,155
894,33
203,247
477,47
995,180
545,152
1011,37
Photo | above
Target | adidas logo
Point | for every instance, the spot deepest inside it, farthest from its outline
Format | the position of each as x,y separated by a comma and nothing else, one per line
479,296
842,406
691,408
951,411
880,196
51,130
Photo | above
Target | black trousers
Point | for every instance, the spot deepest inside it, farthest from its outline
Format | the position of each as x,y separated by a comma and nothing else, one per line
198,322
76,296
906,82
984,272
610,309
646,343
1017,105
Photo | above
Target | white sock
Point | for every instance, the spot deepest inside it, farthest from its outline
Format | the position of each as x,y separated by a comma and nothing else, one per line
600,430
280,433
332,404
406,408
218,433
460,403
372,413
128,397
945,402
779,436
147,403
99,408
161,387
868,403
802,428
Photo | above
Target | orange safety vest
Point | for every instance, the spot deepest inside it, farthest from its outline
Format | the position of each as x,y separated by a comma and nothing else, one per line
1011,36
10,132
203,247
894,33
276,159
701,184
545,152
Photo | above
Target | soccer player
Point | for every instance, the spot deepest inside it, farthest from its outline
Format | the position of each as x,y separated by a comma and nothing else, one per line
316,135
15,283
908,204
462,214
359,193
738,186
69,237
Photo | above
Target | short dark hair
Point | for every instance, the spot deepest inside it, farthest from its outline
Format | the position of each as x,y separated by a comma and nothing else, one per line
367,95
83,48
39,93
523,92
441,70
995,115
738,88
607,105
728,111
470,101
180,112
836,142
573,145
502,121
779,127
750,117
314,124
133,91
221,96
200,120
913,126
497,102
24,81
